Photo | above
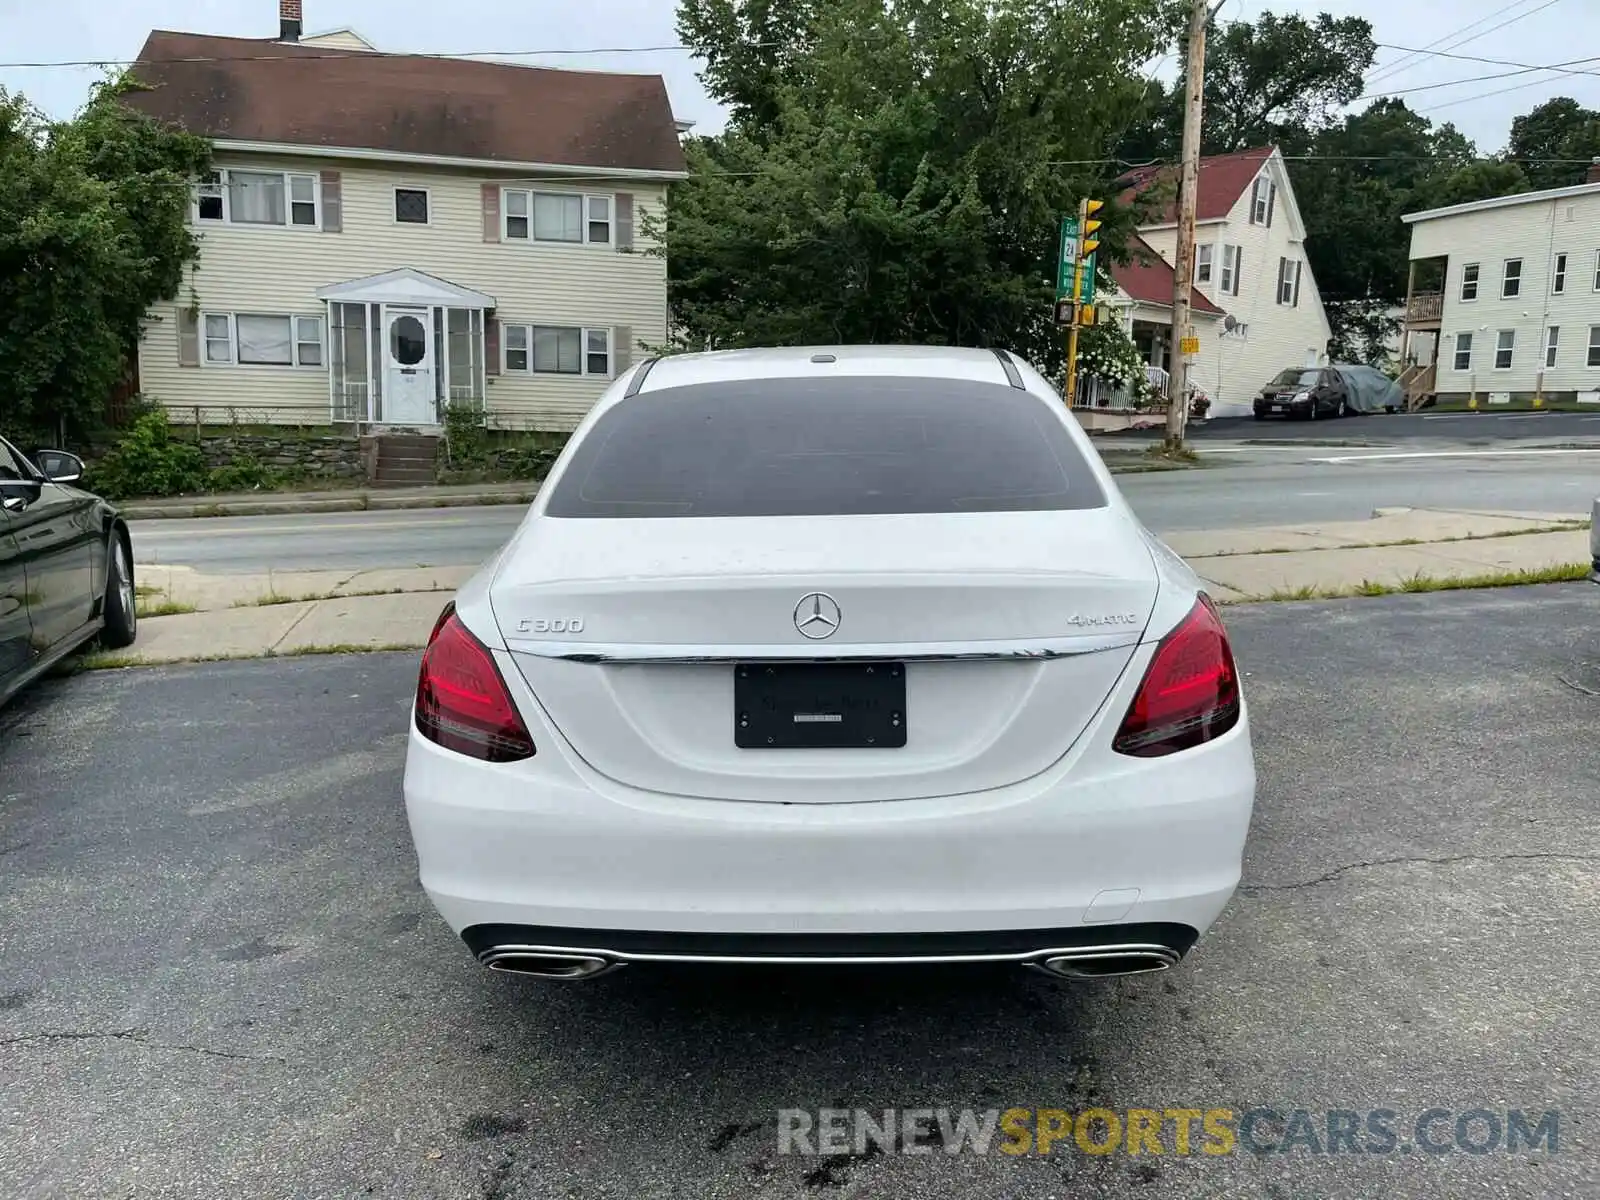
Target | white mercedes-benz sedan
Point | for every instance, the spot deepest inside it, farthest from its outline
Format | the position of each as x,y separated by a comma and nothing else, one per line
845,655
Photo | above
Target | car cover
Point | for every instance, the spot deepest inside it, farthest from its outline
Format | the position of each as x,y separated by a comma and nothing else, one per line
1369,389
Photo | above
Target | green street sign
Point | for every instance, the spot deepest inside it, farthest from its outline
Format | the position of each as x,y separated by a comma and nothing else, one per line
1067,262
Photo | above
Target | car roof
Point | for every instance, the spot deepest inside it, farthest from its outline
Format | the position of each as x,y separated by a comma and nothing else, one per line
790,362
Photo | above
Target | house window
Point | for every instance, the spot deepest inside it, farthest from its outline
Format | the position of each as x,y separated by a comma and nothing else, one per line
1504,348
208,198
1261,201
1469,282
1232,257
1202,264
263,339
516,347
1594,345
219,338
308,341
597,343
1289,281
1552,339
258,198
557,350
599,218
1463,358
557,217
411,206
1511,279
1558,275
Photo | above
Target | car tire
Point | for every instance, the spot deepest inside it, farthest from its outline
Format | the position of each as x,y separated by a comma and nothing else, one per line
1311,411
121,608
1259,416
1344,408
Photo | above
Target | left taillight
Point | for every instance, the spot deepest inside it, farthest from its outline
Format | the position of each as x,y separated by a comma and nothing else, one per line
462,700
1190,692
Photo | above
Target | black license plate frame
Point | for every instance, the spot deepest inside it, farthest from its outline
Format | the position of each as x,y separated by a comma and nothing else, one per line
819,706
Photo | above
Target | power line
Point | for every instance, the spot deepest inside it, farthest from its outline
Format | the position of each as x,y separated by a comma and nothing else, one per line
1428,87
1389,68
1455,40
1516,87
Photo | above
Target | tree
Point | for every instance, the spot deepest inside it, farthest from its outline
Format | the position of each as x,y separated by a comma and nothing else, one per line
1555,143
897,171
1280,80
93,230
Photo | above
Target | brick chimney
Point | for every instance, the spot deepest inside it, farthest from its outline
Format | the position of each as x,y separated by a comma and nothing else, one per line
1594,171
288,20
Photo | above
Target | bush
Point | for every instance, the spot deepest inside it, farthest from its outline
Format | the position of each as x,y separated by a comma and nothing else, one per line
243,474
146,461
465,437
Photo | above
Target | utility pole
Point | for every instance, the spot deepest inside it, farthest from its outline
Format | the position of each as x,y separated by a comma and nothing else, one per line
1188,194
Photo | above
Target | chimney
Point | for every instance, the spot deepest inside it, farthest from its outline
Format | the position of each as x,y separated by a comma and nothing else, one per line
1594,171
288,20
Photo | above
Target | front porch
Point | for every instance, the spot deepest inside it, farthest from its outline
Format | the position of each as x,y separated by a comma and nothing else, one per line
403,347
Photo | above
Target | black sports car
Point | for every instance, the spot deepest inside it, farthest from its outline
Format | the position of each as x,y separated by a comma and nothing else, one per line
66,566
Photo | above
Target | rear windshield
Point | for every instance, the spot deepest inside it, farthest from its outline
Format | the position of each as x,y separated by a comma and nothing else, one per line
807,447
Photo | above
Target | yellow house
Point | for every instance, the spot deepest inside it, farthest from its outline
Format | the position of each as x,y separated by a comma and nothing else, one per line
387,235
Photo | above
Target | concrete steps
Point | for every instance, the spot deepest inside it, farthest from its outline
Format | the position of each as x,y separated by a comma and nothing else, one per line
405,460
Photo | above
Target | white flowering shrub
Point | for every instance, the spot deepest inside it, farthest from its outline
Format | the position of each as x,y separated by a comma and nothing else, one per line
1108,353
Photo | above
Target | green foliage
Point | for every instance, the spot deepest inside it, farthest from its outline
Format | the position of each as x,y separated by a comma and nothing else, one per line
1555,143
1108,353
245,473
148,461
465,437
93,230
897,172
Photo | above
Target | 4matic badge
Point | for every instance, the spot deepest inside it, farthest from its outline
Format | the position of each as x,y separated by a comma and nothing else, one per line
1081,621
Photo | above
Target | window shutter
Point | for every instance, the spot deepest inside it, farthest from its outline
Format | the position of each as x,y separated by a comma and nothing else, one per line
491,336
491,214
332,202
1272,199
1298,267
621,349
1238,267
188,338
1255,199
624,221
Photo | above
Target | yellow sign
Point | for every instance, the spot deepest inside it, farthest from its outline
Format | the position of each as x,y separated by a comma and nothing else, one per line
1086,315
1189,345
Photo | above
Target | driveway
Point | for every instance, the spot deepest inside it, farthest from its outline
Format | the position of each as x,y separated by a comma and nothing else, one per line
218,977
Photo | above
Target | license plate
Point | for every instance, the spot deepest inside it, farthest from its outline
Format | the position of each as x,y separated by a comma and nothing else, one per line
819,706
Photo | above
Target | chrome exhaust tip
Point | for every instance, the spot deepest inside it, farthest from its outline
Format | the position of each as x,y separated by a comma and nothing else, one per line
1105,964
546,965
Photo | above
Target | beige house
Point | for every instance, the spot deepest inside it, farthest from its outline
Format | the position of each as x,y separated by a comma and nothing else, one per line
389,235
1256,307
1503,300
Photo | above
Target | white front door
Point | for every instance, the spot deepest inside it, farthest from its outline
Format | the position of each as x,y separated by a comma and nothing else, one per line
408,395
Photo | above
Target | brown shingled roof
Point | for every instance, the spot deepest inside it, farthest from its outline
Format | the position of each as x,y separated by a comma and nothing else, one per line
242,89
1148,279
1222,180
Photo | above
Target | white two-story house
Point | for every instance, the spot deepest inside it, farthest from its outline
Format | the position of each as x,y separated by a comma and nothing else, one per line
1256,308
1503,303
388,235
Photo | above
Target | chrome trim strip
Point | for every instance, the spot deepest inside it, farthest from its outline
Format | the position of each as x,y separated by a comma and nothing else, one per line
1026,957
1033,648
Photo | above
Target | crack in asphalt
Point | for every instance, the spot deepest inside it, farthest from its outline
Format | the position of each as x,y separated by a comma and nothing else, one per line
137,1036
1255,889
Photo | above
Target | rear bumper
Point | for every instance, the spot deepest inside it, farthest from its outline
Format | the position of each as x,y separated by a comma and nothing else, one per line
550,849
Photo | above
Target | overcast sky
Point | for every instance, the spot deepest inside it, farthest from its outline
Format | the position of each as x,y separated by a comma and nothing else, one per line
1540,32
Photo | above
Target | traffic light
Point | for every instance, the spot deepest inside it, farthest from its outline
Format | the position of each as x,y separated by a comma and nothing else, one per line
1088,227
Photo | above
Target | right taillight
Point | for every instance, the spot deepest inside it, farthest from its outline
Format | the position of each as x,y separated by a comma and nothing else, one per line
462,701
1189,694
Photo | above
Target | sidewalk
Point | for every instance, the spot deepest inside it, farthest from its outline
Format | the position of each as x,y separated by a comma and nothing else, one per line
253,504
309,612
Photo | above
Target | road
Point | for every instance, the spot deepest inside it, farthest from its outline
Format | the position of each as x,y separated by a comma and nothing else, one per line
1259,485
218,976
1484,426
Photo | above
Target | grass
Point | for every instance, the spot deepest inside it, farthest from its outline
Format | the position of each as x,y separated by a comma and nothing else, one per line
101,660
1562,573
1556,527
164,608
272,598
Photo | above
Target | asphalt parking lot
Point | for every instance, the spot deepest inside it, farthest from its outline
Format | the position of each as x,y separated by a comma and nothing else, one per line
219,978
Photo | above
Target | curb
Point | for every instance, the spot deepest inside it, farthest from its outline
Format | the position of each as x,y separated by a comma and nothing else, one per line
360,502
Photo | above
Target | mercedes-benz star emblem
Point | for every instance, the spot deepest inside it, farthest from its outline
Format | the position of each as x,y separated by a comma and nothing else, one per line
817,615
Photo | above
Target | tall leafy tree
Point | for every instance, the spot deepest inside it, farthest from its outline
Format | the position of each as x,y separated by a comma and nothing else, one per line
93,230
1555,143
896,170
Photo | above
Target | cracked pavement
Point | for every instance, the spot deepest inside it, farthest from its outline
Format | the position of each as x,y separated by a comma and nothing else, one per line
218,977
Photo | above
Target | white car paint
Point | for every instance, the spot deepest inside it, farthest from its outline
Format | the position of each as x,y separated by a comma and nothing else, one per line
1026,636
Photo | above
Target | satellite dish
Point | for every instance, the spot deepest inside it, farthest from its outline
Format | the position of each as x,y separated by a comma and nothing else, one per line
1230,323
